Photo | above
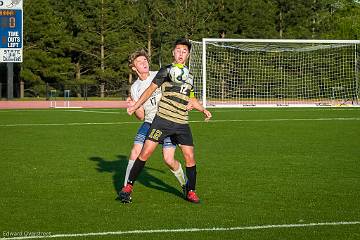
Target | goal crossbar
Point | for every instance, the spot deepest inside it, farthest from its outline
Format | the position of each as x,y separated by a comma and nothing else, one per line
230,40
276,72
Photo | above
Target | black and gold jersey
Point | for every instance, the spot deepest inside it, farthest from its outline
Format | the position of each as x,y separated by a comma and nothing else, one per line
175,95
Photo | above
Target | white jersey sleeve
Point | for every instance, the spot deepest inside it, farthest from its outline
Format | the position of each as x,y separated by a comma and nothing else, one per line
151,105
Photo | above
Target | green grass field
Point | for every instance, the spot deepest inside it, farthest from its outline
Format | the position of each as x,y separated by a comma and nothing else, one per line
289,173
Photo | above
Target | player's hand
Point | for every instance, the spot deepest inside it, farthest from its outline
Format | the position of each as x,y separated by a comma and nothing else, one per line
130,102
207,115
189,107
130,110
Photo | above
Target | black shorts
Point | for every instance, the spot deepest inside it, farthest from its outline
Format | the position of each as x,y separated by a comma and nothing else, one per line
178,133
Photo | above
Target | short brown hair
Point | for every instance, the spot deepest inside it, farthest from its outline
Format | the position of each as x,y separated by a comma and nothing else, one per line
135,55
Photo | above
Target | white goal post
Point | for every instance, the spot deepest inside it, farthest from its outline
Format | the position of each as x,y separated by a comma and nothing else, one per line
276,72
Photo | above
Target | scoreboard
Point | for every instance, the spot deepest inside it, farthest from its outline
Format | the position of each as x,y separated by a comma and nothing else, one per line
11,30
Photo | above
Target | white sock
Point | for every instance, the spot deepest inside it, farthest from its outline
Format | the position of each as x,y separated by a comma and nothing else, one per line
179,174
128,169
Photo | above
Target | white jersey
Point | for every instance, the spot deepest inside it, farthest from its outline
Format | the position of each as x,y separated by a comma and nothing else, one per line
151,105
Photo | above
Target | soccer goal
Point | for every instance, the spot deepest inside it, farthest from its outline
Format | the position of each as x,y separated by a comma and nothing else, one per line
273,72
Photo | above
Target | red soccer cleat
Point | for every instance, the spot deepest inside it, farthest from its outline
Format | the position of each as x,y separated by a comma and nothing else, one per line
192,197
128,188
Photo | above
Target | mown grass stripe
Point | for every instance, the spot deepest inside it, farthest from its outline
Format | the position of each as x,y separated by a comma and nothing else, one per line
200,121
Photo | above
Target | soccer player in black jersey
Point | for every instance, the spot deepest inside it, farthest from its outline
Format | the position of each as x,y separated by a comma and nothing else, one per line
171,120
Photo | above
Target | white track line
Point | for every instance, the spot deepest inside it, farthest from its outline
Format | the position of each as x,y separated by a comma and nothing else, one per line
65,124
221,110
183,230
200,121
94,111
112,111
120,111
217,110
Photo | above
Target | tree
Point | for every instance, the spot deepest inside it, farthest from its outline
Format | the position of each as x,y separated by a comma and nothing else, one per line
343,20
88,41
101,35
45,57
294,19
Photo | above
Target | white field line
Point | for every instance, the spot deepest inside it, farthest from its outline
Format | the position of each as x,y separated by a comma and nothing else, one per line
200,121
183,230
281,120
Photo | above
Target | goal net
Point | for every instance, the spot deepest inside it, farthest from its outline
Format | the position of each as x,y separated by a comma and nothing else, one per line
269,72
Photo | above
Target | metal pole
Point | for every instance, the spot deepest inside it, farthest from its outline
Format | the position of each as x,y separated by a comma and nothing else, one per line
47,95
204,71
85,92
10,80
357,66
22,87
160,50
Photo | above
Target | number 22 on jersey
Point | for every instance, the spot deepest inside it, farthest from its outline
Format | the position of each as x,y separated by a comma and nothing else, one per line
183,89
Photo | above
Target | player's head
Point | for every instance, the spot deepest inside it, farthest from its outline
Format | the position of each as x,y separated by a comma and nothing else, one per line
181,50
139,62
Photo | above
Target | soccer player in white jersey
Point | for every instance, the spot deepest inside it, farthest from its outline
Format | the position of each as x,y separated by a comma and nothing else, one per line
139,63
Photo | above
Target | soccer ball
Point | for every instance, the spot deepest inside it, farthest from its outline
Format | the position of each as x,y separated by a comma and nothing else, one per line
179,73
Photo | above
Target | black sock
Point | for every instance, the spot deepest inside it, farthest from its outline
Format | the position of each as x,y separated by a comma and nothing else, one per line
191,176
135,170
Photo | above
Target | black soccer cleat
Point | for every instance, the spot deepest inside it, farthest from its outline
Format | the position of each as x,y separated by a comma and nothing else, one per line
125,197
125,194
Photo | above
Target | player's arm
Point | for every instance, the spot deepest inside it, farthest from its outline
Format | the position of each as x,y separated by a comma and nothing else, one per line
145,96
158,80
140,112
194,103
